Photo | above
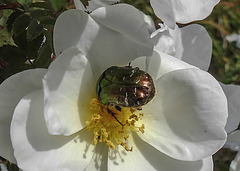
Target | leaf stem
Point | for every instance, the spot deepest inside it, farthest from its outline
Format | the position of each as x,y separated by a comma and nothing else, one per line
12,6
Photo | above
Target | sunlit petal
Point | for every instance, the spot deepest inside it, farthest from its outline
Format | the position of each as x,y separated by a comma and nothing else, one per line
121,44
186,118
164,41
146,157
11,92
193,45
79,5
35,149
164,10
168,64
94,4
68,89
159,64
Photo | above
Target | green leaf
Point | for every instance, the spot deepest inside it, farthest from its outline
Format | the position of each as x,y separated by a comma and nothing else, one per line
5,36
43,5
21,23
36,14
7,72
49,37
21,40
12,167
13,54
58,4
24,2
34,30
9,1
47,22
44,58
15,59
34,46
11,19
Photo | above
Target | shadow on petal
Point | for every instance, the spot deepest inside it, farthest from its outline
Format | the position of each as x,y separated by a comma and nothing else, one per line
86,93
117,156
99,159
161,161
37,133
69,30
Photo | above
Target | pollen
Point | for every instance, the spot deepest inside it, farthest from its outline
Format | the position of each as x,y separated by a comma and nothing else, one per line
112,126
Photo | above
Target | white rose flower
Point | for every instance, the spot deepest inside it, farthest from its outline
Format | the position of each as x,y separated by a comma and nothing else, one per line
52,120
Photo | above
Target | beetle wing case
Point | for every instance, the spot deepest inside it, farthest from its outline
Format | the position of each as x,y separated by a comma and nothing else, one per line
125,86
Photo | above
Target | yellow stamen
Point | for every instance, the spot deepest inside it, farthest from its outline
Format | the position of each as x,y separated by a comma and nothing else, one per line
113,131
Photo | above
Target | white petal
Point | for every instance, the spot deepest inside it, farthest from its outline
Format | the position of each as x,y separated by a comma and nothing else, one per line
182,11
35,149
150,64
233,141
193,45
150,23
146,157
121,44
163,41
70,29
68,89
94,4
11,91
107,17
159,64
235,164
99,159
167,64
191,10
232,93
186,118
79,5
163,9
103,35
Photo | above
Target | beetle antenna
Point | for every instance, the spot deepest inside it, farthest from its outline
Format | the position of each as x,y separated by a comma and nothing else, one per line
113,114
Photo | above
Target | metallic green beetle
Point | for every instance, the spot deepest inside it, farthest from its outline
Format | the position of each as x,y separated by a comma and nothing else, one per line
125,87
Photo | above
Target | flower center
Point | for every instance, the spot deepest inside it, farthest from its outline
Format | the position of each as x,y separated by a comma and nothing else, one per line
112,126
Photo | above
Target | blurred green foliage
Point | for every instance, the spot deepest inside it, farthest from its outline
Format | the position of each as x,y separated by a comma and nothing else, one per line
26,28
225,20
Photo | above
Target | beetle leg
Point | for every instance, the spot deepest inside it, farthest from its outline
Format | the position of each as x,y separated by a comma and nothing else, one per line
113,114
118,108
